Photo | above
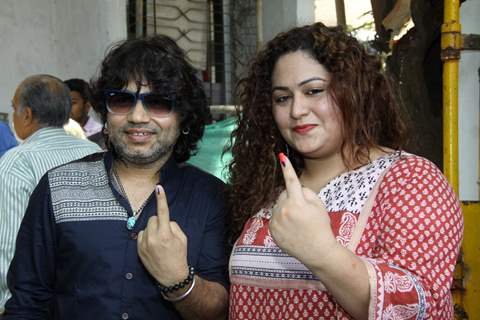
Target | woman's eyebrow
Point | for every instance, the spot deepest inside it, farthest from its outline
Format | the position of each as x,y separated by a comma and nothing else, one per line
301,83
280,88
310,80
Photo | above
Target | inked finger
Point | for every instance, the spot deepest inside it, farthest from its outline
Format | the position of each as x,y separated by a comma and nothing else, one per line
163,213
292,184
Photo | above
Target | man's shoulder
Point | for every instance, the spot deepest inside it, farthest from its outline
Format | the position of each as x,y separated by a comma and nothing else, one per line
13,157
50,138
79,142
43,155
82,164
10,164
86,145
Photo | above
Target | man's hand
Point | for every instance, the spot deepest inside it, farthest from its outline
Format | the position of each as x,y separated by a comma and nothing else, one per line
162,246
300,224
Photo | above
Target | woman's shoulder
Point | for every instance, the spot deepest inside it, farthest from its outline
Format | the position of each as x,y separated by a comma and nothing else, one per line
412,165
414,187
414,174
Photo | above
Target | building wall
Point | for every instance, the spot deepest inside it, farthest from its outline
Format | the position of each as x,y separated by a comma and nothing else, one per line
281,15
469,105
325,12
65,38
244,36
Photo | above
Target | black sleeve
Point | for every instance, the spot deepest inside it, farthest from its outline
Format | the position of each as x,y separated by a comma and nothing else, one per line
213,261
31,275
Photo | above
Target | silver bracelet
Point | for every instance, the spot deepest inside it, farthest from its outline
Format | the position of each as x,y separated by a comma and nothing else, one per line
183,296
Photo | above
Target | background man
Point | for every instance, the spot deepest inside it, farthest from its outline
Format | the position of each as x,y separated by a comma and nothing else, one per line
81,110
77,246
41,107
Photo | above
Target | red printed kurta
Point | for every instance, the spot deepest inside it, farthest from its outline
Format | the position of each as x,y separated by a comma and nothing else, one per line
397,213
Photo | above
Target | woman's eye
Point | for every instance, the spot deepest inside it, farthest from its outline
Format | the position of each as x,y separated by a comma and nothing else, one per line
281,99
312,92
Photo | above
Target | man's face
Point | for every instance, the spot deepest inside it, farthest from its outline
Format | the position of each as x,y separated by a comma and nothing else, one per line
80,108
140,138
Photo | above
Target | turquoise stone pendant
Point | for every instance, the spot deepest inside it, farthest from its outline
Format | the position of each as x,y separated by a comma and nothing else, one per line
131,222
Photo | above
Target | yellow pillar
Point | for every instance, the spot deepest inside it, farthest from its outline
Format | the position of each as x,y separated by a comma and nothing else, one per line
469,299
451,46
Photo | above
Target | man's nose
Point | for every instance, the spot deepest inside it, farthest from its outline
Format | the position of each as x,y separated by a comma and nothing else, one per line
139,114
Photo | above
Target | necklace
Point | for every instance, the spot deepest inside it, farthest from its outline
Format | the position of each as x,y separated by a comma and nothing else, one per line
135,213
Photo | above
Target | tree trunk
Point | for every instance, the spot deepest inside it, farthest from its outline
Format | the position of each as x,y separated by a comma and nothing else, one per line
415,64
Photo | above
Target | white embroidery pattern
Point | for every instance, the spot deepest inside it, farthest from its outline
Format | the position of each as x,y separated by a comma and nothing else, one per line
268,241
395,282
264,213
251,233
349,191
346,228
400,312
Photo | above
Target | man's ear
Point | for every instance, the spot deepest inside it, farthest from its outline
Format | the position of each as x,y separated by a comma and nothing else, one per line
27,123
27,115
88,106
30,122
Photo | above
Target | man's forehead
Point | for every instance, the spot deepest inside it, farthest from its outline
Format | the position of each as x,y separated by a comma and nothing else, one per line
74,94
137,86
15,96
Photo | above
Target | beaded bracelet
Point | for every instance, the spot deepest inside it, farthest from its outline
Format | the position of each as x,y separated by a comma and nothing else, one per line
181,284
183,296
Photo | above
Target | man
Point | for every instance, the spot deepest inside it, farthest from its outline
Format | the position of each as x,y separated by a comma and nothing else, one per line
133,233
41,106
81,108
7,139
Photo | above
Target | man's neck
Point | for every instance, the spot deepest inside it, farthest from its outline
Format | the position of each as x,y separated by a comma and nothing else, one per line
138,181
148,171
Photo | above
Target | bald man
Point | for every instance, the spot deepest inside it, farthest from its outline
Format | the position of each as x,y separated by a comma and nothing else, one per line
41,106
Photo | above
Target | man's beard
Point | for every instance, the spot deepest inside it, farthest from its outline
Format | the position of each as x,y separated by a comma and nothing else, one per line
159,150
120,151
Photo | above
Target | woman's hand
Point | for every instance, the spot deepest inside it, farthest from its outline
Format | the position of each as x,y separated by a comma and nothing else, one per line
300,224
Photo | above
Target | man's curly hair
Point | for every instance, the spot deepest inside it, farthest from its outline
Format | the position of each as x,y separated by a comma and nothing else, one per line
158,62
365,96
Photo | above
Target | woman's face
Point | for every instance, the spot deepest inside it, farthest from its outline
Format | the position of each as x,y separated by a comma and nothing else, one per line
303,110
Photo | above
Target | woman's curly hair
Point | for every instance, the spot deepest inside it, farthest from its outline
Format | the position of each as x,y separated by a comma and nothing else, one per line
158,62
366,98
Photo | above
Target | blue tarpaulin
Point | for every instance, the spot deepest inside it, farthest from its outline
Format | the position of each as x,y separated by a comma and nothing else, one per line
209,157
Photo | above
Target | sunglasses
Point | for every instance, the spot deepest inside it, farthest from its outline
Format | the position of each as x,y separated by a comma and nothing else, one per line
123,102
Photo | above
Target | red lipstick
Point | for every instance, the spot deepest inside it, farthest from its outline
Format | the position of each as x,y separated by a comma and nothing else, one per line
304,129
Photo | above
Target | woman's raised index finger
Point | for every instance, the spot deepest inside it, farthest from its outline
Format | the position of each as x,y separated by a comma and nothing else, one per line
292,184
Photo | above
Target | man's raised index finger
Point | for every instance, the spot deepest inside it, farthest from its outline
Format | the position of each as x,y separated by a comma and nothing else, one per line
292,184
163,212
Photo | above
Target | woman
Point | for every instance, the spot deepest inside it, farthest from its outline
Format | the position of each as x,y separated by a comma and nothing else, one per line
348,225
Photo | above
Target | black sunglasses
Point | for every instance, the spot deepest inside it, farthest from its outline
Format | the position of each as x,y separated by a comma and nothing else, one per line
123,102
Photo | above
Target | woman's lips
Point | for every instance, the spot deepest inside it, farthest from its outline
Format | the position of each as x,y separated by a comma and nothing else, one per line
303,129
